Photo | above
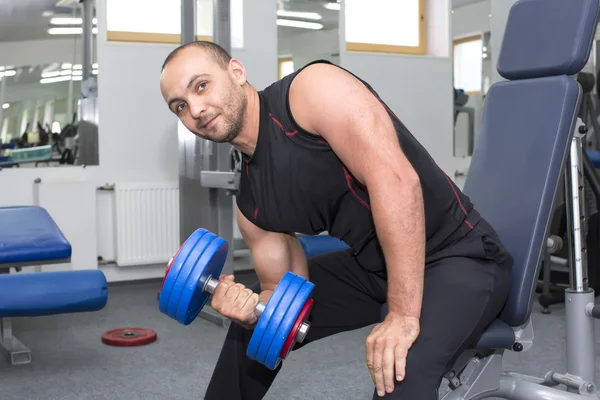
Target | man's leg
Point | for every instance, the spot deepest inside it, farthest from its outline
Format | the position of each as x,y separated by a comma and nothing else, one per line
462,296
346,298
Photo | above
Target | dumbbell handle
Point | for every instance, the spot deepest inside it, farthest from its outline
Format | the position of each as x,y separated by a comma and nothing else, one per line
211,285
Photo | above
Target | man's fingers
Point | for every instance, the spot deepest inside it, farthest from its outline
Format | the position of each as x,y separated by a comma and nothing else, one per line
369,347
234,291
400,356
377,366
388,363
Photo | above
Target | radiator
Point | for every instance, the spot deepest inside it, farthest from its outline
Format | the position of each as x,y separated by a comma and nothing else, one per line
147,222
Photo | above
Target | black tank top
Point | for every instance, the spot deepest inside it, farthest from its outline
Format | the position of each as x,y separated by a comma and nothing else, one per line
294,182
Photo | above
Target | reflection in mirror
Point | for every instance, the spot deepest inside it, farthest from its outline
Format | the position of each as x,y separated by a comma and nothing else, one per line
39,116
43,91
306,31
472,79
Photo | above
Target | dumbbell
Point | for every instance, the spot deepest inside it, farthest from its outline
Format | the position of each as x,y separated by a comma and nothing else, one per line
192,276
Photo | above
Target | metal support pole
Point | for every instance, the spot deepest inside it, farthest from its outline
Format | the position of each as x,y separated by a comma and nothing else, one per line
87,38
574,198
580,331
2,91
188,21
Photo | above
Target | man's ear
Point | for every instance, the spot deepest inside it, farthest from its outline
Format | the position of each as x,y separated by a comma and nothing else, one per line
238,71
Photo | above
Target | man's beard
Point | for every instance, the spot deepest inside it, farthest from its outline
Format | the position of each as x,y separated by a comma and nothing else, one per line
232,125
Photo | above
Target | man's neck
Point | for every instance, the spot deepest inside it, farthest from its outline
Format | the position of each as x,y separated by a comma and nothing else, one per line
246,140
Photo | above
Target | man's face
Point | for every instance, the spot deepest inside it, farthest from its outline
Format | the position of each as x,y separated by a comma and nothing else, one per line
209,101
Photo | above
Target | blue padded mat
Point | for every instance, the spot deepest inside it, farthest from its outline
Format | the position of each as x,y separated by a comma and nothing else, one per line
48,293
28,233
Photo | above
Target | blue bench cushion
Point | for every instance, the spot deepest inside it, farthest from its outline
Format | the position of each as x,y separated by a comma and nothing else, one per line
28,233
594,156
547,38
315,245
48,293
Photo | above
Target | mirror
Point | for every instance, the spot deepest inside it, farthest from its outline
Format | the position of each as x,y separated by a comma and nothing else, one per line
44,118
472,69
306,31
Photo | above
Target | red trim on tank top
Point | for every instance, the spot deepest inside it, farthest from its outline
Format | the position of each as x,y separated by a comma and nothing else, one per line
349,180
281,126
462,207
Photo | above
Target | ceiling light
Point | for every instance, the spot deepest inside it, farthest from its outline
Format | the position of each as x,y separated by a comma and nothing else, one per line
47,13
5,106
299,14
69,21
50,74
299,24
333,6
69,31
65,31
8,73
55,79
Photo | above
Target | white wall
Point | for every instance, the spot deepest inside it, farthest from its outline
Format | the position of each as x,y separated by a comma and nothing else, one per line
137,134
417,88
40,52
308,45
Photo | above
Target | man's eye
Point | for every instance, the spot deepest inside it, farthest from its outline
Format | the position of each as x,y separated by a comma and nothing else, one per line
202,86
179,107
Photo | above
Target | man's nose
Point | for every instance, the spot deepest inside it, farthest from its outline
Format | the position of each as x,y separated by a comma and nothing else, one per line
197,109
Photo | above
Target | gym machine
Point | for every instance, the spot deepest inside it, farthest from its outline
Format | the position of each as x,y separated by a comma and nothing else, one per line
460,99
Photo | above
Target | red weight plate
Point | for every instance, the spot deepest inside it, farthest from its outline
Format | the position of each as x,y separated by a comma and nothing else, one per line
169,267
291,340
125,337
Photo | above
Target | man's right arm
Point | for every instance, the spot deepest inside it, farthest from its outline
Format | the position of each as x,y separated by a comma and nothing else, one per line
273,253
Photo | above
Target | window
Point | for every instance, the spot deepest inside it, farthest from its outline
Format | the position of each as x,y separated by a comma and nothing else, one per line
159,21
388,26
286,66
468,64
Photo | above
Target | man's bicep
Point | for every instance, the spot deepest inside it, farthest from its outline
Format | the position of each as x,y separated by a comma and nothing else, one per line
250,232
273,253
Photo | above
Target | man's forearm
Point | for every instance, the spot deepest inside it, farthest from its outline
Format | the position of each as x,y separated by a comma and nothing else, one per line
398,213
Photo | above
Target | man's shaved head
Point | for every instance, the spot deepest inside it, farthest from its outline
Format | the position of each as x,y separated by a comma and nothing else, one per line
205,88
217,53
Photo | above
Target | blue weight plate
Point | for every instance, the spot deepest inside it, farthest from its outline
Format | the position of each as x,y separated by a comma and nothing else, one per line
277,317
175,268
289,319
193,297
263,321
187,268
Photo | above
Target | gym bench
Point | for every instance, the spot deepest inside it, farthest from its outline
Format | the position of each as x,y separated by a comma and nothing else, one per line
529,137
30,237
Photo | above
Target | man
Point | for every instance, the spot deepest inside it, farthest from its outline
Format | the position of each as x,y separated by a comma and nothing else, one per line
322,152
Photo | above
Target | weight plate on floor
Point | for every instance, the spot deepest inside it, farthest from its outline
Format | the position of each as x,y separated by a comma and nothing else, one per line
193,296
125,337
291,339
289,319
175,267
263,321
188,265
276,318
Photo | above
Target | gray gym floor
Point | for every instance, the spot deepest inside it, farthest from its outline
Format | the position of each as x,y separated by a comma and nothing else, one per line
71,363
